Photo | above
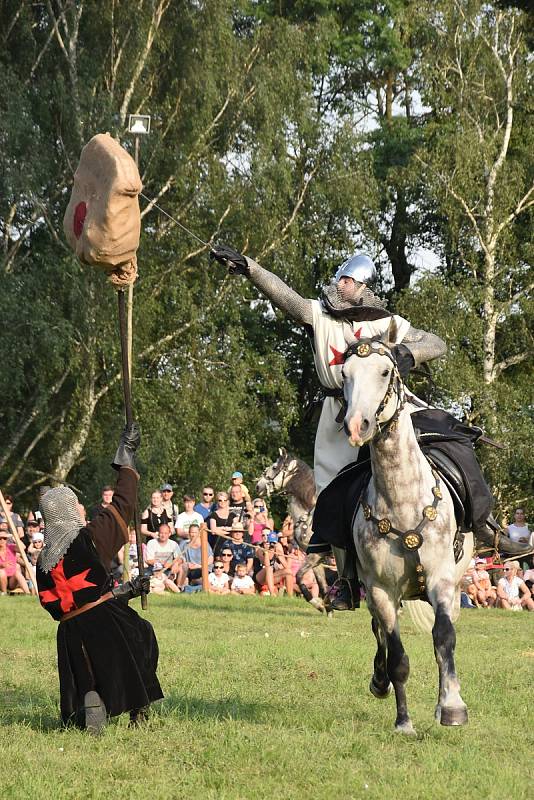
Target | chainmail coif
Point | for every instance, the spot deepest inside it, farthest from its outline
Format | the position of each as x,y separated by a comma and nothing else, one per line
59,507
367,306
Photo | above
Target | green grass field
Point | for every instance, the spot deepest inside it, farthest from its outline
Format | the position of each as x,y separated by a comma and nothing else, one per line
267,699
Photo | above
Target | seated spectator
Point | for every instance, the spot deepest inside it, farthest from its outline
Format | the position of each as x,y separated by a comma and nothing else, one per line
166,551
154,516
219,523
242,552
11,576
288,527
17,521
159,582
187,518
191,552
275,572
240,507
467,579
206,506
512,591
218,579
170,507
32,526
528,577
480,591
260,506
106,498
518,530
227,557
237,480
35,547
242,583
131,550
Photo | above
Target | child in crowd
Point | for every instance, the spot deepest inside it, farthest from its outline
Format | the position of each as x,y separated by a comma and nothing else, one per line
218,579
242,583
159,582
35,547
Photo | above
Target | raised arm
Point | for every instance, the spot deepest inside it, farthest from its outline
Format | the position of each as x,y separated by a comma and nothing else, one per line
270,285
423,346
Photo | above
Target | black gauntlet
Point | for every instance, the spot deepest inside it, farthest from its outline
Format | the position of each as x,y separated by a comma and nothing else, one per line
133,588
128,444
236,262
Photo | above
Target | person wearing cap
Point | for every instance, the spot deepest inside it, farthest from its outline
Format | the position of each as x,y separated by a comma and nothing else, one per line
242,552
481,590
170,507
35,547
159,582
346,311
237,480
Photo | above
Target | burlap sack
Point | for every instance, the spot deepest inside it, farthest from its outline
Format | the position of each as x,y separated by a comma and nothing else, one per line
102,222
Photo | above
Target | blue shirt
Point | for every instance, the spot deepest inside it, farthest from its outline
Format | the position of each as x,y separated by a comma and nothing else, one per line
205,512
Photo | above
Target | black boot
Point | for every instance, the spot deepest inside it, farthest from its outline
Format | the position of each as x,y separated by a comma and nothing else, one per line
490,534
344,595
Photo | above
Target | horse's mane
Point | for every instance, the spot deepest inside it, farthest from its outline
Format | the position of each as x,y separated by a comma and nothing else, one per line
302,484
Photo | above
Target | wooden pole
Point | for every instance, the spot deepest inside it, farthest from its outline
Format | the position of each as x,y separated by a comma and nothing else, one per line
129,420
204,557
20,548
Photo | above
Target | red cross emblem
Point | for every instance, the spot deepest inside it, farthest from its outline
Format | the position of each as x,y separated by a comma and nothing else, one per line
338,354
64,587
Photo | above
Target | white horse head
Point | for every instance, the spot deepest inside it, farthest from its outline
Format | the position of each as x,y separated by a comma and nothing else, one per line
275,477
372,386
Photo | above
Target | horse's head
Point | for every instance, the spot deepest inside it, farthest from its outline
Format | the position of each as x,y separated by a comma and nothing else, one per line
372,386
275,477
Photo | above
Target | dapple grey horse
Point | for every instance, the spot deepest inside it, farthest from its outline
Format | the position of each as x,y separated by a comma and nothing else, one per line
404,528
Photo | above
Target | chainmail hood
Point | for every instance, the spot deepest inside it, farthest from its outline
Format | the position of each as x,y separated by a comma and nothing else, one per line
59,507
367,307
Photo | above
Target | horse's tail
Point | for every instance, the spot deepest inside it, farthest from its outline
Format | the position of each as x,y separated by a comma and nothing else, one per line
421,613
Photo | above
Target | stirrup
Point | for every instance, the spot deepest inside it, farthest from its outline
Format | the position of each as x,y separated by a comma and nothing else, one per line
341,596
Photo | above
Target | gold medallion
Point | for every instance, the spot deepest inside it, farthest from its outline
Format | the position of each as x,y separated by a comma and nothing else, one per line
430,512
436,491
363,349
384,526
367,512
412,540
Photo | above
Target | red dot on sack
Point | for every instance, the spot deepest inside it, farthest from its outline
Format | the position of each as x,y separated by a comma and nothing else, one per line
79,218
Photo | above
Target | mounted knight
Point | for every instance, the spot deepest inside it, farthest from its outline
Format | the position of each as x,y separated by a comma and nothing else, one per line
347,311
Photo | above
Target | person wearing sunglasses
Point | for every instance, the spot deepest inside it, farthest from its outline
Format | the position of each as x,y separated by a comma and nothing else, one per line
17,521
206,504
220,522
512,591
218,579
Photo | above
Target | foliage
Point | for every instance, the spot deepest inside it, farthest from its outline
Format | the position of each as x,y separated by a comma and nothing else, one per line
296,131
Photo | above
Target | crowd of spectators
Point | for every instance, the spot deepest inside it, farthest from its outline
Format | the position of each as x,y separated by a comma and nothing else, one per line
245,553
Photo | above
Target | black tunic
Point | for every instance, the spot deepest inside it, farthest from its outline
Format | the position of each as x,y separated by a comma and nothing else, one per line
109,648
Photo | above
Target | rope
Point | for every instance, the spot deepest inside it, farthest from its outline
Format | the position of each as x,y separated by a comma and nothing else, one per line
176,222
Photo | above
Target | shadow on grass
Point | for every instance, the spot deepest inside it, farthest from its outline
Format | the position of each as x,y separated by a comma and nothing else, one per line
254,608
198,708
18,707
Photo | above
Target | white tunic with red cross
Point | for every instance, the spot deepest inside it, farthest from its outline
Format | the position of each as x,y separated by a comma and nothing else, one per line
331,338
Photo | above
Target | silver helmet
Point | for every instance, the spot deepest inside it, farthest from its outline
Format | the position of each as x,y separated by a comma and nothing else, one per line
360,267
59,508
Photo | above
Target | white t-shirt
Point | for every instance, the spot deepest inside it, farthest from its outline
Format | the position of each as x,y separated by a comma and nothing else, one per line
185,519
511,588
517,532
218,581
158,551
243,583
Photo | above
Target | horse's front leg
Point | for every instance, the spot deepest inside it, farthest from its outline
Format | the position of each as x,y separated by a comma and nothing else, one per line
311,564
380,684
384,610
450,709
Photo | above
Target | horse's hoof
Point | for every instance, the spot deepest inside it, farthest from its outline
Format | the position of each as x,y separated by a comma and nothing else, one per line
453,716
317,603
380,693
406,728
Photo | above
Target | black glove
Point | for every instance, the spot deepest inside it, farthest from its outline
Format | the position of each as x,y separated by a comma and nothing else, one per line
404,358
237,264
133,588
128,444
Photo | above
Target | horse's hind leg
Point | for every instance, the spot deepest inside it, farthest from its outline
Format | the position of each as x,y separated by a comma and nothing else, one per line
380,684
451,709
397,662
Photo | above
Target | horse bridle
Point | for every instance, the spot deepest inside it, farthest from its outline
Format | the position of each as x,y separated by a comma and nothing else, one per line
363,348
285,474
